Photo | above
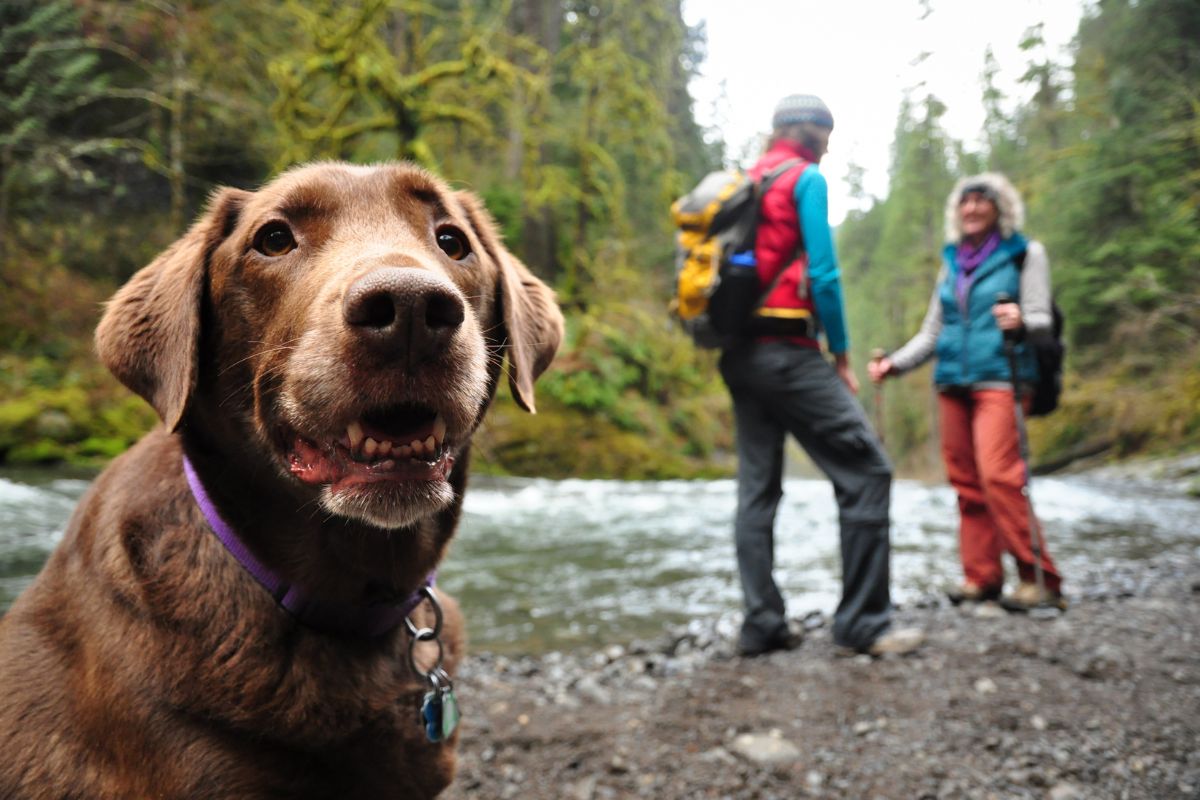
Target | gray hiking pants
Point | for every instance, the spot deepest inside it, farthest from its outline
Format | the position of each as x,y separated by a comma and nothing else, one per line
780,388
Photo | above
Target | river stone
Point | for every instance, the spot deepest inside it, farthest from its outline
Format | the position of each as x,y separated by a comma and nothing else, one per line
590,689
1065,791
989,611
765,748
986,686
1105,662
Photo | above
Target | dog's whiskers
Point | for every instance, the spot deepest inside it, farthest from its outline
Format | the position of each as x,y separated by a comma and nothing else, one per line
288,345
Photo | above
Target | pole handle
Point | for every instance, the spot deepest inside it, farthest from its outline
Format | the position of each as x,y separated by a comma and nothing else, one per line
1001,298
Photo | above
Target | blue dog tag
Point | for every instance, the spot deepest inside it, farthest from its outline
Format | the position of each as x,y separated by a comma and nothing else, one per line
439,714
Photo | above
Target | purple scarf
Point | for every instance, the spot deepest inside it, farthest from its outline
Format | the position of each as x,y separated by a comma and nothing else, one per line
967,258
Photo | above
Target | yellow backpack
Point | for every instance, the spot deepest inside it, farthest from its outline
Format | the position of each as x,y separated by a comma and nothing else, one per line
716,276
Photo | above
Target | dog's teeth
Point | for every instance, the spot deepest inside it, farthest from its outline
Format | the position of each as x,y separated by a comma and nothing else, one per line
388,464
404,451
384,448
417,448
354,432
439,428
369,447
431,445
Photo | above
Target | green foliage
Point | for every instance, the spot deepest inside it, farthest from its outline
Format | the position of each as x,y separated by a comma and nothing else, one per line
890,256
367,85
574,121
624,368
1107,156
45,73
561,442
1117,190
50,411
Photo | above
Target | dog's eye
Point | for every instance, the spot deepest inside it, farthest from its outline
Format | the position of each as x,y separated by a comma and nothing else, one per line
453,242
274,239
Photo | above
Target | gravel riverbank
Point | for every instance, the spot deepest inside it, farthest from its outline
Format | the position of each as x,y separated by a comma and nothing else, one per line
1103,702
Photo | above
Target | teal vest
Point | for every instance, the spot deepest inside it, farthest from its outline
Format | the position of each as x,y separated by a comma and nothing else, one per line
970,348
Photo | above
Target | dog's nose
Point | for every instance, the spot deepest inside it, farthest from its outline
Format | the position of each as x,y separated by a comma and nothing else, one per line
402,312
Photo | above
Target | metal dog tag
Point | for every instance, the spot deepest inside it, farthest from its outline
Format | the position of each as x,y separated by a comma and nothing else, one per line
431,715
450,715
439,708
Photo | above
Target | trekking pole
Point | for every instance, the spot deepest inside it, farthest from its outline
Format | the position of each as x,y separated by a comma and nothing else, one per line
877,355
1036,541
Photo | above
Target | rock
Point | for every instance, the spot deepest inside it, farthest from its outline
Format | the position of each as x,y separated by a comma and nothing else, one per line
1105,662
816,619
1020,777
589,688
765,749
582,790
1038,722
718,755
989,611
866,726
1065,791
986,686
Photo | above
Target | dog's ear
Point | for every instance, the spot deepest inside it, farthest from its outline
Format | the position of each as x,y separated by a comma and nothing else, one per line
531,320
149,336
533,324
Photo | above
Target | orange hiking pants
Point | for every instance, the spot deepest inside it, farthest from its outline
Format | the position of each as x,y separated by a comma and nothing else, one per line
983,462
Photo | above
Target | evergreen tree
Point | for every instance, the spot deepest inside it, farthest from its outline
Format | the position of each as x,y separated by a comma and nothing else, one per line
1120,201
46,72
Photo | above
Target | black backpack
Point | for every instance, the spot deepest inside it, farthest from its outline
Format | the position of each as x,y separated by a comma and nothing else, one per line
1050,353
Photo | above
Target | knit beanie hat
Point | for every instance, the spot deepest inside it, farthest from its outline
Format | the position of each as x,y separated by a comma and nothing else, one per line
802,108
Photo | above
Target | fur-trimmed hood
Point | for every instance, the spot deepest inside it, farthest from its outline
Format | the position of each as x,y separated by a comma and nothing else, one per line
1008,203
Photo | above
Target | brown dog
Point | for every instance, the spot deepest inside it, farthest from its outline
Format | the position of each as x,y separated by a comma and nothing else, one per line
320,352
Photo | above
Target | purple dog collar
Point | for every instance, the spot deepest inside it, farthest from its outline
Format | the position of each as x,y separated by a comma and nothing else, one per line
369,621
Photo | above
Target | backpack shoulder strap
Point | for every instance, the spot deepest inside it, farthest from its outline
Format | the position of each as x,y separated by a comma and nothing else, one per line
777,173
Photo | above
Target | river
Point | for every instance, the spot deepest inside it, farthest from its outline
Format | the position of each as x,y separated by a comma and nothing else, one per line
544,565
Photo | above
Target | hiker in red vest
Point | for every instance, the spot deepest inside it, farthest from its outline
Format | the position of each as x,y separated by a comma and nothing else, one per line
781,383
987,257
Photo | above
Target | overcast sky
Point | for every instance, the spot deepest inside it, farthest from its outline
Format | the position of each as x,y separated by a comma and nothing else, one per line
860,56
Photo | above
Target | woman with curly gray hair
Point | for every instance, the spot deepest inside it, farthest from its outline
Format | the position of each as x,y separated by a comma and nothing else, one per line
964,327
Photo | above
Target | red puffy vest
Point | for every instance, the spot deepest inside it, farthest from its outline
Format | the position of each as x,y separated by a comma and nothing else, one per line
788,308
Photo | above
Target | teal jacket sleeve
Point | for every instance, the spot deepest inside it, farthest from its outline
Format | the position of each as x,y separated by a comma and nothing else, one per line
812,204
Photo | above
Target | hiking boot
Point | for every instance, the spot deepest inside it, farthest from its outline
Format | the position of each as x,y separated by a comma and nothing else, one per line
1027,596
786,640
972,593
897,642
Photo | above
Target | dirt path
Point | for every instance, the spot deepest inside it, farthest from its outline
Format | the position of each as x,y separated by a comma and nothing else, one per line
1102,703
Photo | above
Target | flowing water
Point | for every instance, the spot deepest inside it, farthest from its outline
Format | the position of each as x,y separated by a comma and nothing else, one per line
540,564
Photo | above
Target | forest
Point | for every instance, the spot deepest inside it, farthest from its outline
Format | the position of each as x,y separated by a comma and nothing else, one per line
574,122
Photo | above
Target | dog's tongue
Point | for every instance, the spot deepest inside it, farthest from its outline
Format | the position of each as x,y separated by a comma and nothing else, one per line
331,466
